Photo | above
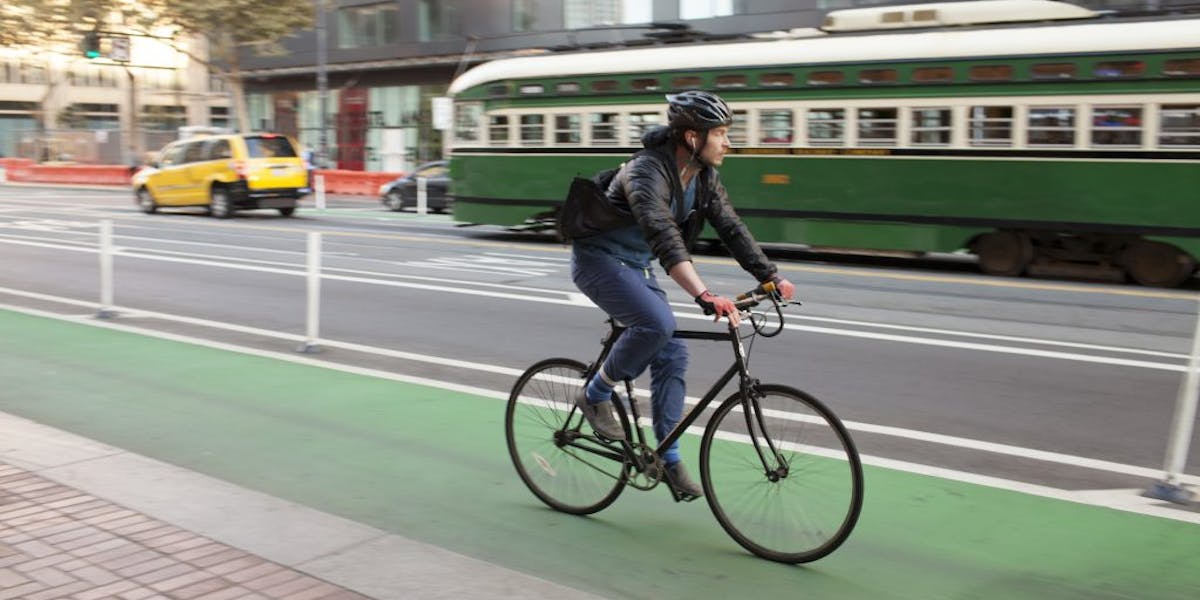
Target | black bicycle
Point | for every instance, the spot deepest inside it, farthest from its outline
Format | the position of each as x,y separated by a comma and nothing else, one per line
779,470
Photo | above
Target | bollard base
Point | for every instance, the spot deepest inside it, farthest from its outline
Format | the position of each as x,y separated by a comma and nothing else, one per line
106,314
1171,492
307,348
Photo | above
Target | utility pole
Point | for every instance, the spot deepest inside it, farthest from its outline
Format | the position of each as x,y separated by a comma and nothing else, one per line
322,88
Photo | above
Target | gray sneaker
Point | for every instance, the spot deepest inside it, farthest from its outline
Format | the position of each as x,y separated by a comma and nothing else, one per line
600,417
681,484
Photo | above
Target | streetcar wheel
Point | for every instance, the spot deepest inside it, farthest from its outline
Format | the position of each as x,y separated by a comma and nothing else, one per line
796,503
553,448
1157,264
1005,253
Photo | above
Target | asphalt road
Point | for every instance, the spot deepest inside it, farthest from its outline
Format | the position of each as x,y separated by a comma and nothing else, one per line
1065,384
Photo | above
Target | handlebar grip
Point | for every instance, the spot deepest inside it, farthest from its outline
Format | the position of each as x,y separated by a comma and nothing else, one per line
766,287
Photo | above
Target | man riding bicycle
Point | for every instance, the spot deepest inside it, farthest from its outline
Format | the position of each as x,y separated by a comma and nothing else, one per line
671,189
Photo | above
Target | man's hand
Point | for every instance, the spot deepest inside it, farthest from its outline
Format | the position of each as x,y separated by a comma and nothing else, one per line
783,286
721,307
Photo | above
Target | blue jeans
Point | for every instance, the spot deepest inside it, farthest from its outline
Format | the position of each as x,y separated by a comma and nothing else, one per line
632,296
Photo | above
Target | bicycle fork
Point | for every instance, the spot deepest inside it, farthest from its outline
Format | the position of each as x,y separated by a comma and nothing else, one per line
775,467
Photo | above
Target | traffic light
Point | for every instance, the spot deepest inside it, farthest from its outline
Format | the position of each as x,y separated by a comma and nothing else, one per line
91,44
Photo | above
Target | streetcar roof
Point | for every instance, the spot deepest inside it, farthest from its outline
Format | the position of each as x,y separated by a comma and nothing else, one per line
1071,38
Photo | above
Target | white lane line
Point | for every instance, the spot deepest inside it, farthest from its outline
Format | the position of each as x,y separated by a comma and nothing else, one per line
1083,497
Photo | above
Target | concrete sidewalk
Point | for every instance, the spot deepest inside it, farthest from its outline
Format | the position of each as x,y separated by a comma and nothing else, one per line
84,520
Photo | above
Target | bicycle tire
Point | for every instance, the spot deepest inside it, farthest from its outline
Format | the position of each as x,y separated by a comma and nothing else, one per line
569,477
810,510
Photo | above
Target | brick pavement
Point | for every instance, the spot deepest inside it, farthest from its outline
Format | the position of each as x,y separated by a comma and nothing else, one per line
57,542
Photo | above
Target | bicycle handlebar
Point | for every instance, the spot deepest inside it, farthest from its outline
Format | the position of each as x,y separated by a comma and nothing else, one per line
752,298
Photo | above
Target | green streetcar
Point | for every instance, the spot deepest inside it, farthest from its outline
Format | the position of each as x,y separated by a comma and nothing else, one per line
1069,145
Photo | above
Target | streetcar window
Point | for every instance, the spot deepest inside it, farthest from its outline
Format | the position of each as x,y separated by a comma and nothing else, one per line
826,77
990,126
1117,126
731,81
990,73
931,126
877,76
639,122
570,87
606,85
645,84
498,130
826,126
1182,67
1179,125
1052,71
1119,68
687,82
498,90
466,121
604,129
531,89
933,74
738,130
877,126
776,80
1051,126
567,129
533,130
775,126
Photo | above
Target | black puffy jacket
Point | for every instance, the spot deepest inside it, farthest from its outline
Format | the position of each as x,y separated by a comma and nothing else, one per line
648,186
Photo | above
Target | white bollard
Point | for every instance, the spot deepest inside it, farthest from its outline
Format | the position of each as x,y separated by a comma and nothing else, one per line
422,197
313,320
1180,439
106,271
320,191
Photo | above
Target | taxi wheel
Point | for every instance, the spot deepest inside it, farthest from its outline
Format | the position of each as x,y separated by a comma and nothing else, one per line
221,206
394,201
287,211
146,201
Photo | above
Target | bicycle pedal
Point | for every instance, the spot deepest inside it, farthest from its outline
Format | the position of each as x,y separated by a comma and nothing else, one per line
683,496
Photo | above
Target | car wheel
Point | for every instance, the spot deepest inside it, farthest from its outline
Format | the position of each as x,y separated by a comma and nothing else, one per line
287,211
394,201
221,206
146,201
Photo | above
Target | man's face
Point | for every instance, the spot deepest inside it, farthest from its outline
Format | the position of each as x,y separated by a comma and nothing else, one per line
713,152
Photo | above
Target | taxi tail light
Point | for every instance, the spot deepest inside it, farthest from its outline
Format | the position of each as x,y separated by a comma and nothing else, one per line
239,167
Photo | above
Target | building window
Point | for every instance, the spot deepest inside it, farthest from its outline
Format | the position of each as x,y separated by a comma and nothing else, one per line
775,126
931,126
877,126
367,26
707,9
218,116
498,130
1117,126
604,129
524,15
438,20
990,126
567,129
1051,126
1179,125
533,130
826,126
590,13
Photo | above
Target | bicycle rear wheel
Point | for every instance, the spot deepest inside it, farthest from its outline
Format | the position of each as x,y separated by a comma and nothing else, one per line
783,478
552,447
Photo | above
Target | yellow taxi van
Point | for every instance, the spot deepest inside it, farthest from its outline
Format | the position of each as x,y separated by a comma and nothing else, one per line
225,173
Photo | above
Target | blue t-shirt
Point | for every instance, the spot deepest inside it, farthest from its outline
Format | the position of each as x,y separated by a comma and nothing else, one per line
626,244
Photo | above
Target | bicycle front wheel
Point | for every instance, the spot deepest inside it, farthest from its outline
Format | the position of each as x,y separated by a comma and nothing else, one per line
781,474
550,445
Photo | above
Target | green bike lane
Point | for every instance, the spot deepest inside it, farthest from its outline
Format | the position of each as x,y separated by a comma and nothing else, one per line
430,464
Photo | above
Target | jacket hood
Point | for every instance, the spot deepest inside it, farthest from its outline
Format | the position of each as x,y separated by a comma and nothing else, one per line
656,137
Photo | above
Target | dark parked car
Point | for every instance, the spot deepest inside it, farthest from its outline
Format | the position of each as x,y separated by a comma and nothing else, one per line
402,193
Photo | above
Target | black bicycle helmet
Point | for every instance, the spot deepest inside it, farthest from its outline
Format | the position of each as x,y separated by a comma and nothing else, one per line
696,109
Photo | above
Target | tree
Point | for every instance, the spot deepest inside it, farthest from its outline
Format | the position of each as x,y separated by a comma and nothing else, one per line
229,26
